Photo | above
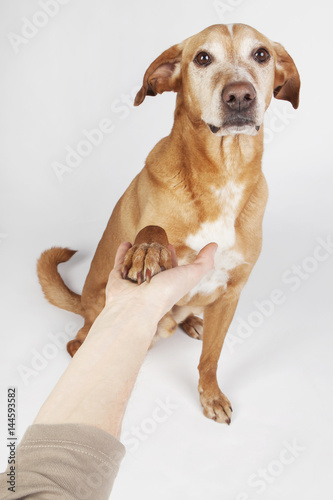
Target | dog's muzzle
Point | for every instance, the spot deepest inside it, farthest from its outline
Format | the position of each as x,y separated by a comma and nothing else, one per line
238,103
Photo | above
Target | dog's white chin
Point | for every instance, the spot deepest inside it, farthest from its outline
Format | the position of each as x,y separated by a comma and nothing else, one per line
236,130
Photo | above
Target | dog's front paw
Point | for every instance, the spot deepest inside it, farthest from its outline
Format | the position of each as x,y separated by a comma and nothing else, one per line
216,406
143,261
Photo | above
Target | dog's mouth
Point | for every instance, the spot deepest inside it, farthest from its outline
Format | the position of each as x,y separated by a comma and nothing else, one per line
236,125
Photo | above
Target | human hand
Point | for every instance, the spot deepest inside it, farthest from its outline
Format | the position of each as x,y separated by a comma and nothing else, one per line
150,301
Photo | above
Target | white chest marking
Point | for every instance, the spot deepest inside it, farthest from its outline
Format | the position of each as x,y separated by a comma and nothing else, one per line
222,232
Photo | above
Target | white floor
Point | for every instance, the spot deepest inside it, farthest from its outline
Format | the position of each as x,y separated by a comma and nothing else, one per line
83,67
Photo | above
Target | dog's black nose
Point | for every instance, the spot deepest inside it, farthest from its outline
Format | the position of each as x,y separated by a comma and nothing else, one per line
238,95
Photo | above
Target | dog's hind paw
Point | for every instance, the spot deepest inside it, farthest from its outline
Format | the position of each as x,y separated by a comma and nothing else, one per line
143,261
193,326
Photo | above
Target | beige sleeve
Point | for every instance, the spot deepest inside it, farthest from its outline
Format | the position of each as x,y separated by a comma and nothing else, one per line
68,461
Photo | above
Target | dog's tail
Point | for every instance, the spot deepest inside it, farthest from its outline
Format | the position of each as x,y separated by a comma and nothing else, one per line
53,286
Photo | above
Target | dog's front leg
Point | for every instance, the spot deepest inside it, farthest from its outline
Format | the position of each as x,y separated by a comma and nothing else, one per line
148,256
217,318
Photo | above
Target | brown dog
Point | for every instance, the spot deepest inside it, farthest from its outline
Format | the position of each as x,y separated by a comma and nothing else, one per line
202,183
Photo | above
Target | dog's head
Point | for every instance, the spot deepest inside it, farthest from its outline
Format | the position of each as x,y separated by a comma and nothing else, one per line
227,75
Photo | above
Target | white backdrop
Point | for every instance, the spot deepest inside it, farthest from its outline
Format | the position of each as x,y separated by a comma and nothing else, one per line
74,67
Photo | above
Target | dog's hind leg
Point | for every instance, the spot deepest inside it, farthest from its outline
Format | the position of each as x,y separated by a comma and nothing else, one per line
165,328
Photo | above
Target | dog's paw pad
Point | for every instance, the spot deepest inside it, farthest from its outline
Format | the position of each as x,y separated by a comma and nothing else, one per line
143,261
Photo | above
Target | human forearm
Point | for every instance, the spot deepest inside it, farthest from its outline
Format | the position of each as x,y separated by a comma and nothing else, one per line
95,388
97,384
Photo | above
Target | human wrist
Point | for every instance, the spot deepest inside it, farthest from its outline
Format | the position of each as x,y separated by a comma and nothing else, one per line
138,319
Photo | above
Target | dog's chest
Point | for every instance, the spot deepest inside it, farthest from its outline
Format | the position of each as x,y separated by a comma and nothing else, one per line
221,231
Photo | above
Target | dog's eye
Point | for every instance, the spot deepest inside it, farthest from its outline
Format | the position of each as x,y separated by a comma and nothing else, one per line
261,55
203,59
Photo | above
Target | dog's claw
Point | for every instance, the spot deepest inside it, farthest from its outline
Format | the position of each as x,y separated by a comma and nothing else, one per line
216,406
145,260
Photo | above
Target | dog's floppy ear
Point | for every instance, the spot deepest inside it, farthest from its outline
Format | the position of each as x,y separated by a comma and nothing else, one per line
287,82
163,74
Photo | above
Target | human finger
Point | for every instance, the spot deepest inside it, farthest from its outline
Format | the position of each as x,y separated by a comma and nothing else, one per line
174,260
121,252
119,259
191,274
172,285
